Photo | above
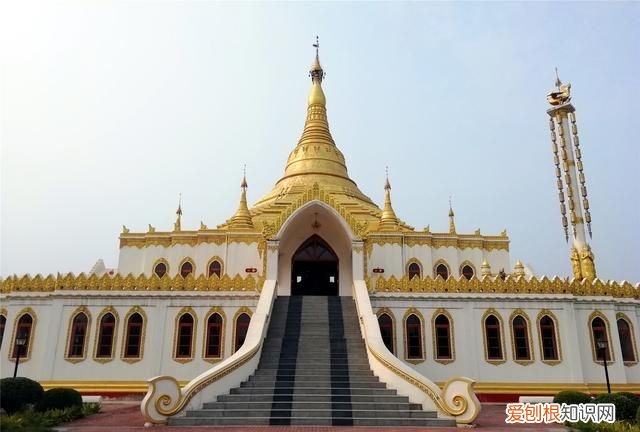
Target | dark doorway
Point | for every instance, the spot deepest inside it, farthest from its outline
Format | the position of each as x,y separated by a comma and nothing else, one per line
314,269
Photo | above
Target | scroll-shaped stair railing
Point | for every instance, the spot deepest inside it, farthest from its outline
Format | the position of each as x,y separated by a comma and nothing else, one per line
457,399
165,398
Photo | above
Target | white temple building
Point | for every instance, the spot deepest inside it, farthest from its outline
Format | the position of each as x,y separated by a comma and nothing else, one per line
445,319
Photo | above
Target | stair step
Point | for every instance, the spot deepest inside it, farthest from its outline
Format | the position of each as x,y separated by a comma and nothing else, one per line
270,397
330,412
311,405
327,390
311,421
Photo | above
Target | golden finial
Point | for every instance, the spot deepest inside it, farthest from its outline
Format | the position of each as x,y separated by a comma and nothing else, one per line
562,95
203,226
316,71
244,184
452,223
387,185
388,219
177,226
242,218
485,269
125,230
151,229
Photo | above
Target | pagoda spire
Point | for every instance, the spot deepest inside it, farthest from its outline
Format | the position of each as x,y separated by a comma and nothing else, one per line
567,158
242,218
388,219
177,226
452,222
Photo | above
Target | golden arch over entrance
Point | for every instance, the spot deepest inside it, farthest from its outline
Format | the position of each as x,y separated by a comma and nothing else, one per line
314,268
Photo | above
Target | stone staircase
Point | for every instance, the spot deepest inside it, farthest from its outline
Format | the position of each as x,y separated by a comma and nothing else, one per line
313,371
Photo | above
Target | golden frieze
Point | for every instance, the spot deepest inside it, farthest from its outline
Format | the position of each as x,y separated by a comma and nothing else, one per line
510,285
82,282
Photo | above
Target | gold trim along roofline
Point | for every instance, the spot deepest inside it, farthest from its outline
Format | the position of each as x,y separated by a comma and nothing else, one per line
70,282
510,285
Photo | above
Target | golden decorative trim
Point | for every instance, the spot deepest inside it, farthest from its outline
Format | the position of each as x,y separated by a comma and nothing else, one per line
214,310
486,315
240,311
247,239
452,343
444,263
407,314
106,282
32,331
414,261
79,310
193,267
187,310
166,239
96,342
388,312
556,328
520,313
623,316
155,264
510,285
597,314
125,331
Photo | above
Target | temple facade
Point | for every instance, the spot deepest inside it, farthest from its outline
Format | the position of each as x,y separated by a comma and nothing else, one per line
186,303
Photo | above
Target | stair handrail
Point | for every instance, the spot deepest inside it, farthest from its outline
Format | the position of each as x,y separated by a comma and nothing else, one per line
457,399
164,396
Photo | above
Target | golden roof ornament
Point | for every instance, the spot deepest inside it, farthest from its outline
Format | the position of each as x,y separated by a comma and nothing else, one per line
485,269
177,226
562,95
518,269
388,219
241,220
452,223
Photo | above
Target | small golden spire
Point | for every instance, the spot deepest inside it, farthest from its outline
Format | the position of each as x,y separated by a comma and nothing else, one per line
452,224
518,269
562,95
388,219
177,225
485,269
241,220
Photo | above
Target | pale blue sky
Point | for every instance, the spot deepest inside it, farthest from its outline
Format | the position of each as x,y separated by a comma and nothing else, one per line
110,110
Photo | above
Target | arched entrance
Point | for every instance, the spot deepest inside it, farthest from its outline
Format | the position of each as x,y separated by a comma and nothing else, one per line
314,269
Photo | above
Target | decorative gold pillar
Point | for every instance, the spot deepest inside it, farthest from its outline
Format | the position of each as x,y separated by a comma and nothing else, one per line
571,187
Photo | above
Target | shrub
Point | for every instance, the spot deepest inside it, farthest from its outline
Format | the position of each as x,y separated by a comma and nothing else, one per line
571,397
626,404
59,398
19,392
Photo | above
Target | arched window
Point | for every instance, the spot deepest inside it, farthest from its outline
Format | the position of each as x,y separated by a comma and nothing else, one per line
160,269
184,340
106,336
186,269
23,330
213,347
626,340
133,337
520,332
443,338
414,271
215,268
242,325
493,338
442,271
78,336
548,339
386,330
3,323
413,331
599,334
467,272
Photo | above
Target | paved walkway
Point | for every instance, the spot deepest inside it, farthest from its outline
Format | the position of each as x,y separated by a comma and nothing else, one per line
121,416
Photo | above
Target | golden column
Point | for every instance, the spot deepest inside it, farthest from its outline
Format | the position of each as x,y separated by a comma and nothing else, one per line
562,123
